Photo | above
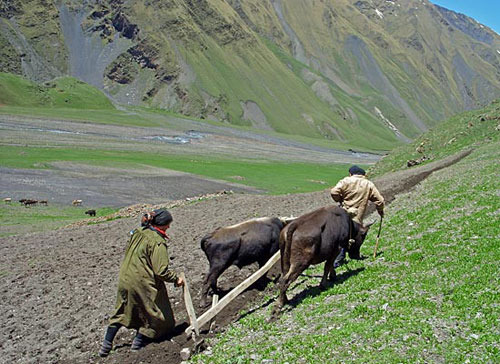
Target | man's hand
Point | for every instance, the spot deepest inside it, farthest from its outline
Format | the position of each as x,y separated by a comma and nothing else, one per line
180,282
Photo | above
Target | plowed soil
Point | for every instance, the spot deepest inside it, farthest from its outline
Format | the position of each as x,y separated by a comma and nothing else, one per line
58,288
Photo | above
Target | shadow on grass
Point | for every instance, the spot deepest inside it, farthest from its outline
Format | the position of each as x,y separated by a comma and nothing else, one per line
316,290
311,291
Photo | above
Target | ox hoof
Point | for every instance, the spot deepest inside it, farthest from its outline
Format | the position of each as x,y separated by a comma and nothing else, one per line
275,314
324,287
204,302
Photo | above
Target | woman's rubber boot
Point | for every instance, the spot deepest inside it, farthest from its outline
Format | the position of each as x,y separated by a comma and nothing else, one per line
107,343
139,342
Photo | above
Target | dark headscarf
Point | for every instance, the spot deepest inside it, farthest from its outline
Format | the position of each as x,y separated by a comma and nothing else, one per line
357,170
157,217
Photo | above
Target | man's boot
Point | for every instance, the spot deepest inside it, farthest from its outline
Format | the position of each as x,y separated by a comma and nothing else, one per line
107,343
139,342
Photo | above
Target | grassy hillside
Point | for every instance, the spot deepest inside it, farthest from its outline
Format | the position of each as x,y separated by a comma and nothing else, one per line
287,101
219,71
64,92
396,57
430,296
467,130
31,41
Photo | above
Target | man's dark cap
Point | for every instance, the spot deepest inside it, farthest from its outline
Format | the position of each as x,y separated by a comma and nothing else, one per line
357,170
162,217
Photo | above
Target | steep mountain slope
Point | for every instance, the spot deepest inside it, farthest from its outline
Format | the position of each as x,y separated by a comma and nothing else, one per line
361,72
31,40
408,54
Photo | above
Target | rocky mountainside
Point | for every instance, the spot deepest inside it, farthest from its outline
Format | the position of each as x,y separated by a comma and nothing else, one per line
371,72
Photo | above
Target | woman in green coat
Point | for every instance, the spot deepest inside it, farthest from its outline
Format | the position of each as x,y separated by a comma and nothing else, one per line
142,301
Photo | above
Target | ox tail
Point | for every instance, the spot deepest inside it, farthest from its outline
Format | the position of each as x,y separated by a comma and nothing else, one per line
205,242
286,247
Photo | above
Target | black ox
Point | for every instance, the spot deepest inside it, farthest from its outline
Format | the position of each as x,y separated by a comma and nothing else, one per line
242,244
314,238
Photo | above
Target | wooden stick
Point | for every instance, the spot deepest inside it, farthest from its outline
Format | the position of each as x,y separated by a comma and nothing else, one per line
378,236
189,306
212,312
215,300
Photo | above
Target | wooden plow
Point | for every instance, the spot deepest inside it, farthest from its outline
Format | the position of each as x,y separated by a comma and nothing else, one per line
217,307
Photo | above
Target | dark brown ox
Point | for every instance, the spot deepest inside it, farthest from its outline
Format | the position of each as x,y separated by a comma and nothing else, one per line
29,202
314,238
90,212
242,244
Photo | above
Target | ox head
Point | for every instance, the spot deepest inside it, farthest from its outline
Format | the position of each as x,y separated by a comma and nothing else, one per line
359,235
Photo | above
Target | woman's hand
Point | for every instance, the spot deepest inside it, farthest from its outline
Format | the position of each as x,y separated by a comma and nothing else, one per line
180,282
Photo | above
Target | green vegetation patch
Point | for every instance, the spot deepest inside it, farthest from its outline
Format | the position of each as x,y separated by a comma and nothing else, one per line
64,92
274,177
467,130
17,219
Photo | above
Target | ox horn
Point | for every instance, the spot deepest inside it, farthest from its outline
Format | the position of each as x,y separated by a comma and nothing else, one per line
286,219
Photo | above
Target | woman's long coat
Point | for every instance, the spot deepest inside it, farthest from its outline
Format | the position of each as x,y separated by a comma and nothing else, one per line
142,301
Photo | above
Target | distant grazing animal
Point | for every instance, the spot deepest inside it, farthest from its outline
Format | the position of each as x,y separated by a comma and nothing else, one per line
29,202
90,212
43,202
77,202
7,200
242,244
22,200
416,162
314,238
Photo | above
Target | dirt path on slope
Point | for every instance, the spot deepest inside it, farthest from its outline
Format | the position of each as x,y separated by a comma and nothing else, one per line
58,288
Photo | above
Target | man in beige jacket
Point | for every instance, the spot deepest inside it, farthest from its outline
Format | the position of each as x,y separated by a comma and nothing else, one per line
353,194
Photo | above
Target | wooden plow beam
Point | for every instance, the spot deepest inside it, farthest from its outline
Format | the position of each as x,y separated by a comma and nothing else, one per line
189,306
212,312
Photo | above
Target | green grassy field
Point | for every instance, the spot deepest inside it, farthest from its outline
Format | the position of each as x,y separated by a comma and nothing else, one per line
273,177
270,177
17,219
430,296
